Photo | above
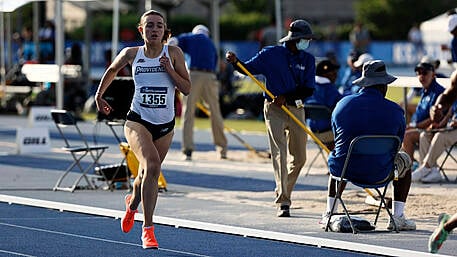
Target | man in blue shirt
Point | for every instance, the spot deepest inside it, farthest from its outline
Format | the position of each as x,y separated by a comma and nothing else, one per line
326,94
368,113
421,118
289,72
205,86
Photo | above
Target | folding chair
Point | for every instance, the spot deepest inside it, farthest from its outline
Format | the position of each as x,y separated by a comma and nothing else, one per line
66,123
123,164
374,148
317,112
448,154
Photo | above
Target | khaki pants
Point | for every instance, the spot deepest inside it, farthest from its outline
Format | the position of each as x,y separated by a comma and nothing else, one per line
204,87
432,145
287,142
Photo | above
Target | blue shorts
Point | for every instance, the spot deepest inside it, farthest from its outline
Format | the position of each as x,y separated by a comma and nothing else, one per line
157,130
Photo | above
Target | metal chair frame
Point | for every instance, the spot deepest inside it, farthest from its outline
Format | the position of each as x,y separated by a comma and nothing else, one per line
123,163
448,154
367,145
65,121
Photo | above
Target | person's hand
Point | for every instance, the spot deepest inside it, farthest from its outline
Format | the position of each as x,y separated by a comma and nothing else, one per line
102,105
430,127
230,57
436,113
279,101
434,125
453,124
165,62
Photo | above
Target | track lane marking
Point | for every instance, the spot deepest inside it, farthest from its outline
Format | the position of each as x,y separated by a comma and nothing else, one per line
94,238
16,253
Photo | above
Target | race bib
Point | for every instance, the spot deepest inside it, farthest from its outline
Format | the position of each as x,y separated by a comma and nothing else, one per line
153,97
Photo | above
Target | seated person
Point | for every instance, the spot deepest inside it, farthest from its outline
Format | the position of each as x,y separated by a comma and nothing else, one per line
354,73
436,63
368,113
421,119
432,144
348,72
325,93
415,92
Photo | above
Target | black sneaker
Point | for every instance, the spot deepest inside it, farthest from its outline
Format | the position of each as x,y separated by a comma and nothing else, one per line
188,155
283,211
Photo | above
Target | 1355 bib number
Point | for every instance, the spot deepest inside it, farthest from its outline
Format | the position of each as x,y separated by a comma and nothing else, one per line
154,97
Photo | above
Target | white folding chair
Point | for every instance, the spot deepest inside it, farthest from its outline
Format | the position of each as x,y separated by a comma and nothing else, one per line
67,126
381,173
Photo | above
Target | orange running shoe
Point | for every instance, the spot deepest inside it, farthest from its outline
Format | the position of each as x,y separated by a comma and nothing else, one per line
129,217
148,238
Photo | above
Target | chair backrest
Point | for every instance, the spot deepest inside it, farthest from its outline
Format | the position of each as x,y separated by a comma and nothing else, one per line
378,153
317,112
64,119
119,95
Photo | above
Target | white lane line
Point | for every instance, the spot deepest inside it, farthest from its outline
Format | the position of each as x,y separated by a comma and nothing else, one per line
93,238
16,253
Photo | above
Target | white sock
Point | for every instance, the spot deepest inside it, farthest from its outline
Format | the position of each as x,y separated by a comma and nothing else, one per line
398,208
330,201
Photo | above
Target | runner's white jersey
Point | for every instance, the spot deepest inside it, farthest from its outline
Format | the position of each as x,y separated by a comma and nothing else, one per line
154,91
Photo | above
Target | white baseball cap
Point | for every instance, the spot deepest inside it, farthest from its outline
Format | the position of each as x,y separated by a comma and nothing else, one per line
452,22
363,59
200,29
173,41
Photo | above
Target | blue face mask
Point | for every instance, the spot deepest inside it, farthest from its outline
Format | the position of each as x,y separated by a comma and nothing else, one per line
303,44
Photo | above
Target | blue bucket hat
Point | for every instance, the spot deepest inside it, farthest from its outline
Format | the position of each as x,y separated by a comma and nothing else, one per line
374,73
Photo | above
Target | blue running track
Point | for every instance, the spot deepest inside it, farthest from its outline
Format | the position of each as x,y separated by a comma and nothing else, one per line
35,231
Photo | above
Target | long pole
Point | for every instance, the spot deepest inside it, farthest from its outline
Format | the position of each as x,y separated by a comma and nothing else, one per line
2,62
215,33
232,132
115,30
36,28
59,50
278,18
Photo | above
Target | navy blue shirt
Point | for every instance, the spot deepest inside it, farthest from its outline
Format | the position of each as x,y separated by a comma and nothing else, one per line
325,93
428,98
283,70
346,83
201,49
365,113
